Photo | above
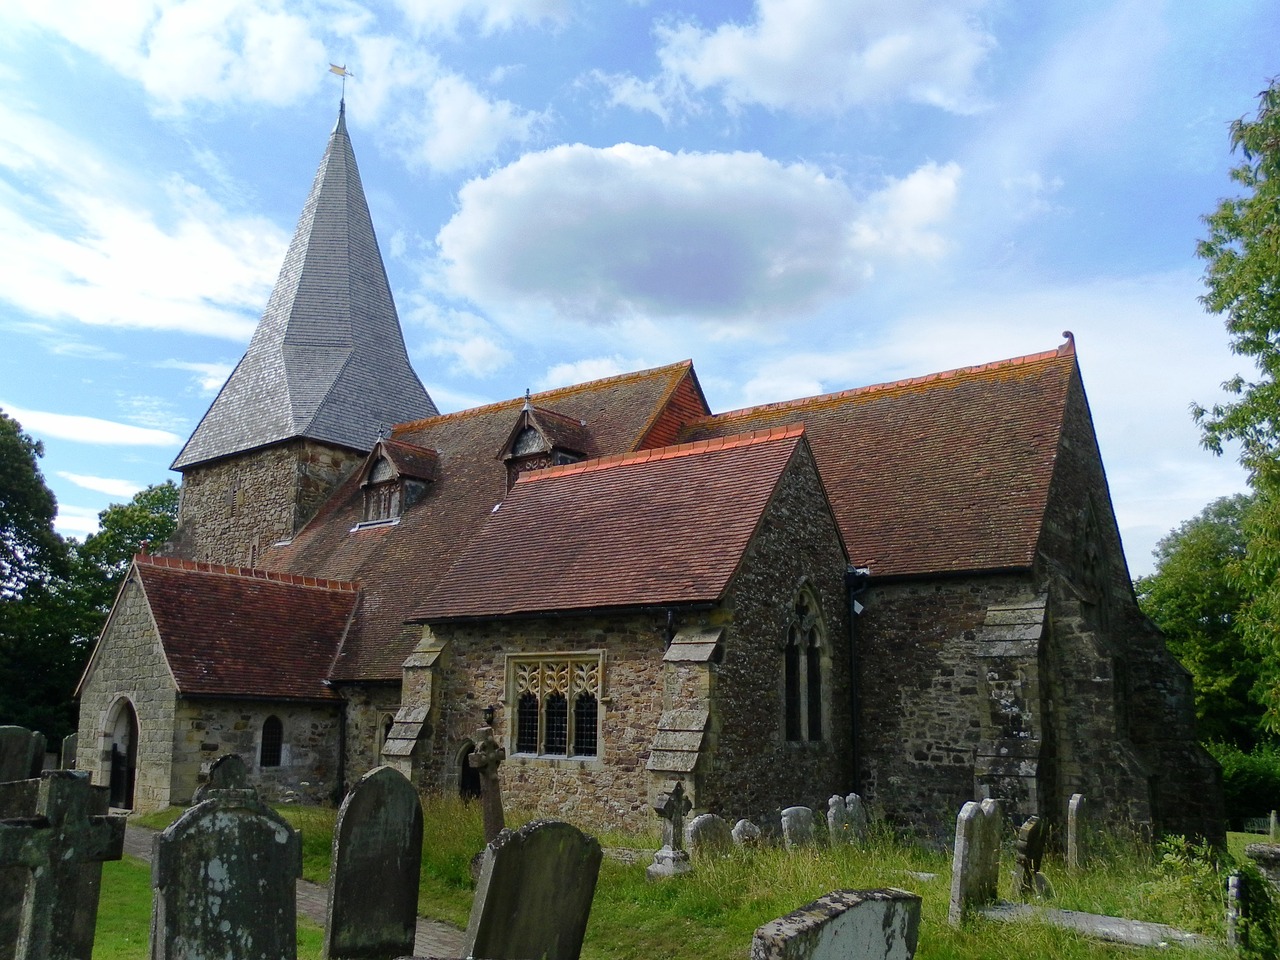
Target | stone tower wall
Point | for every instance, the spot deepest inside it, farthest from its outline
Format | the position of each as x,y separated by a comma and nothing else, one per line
232,510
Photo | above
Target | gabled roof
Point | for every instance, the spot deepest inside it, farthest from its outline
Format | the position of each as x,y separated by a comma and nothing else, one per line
327,360
398,564
946,473
666,526
233,632
558,431
407,459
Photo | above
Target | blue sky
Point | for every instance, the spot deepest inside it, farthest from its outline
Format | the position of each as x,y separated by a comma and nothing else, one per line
800,195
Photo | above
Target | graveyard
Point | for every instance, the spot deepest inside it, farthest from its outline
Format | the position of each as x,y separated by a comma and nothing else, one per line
221,878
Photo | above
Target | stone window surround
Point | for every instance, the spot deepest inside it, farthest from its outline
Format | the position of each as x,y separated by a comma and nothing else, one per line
810,631
271,749
594,682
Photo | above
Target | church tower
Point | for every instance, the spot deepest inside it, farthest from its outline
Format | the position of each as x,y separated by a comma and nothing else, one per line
325,373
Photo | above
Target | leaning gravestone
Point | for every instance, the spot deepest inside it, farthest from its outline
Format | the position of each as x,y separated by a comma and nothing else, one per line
845,925
708,835
21,754
846,819
534,895
58,854
797,827
373,880
225,877
1028,854
975,863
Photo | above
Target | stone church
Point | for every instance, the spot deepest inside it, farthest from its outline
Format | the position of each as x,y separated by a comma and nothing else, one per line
912,590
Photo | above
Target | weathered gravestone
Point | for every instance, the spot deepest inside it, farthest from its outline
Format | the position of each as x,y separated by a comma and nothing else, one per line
797,827
534,894
845,925
846,819
708,835
67,759
1266,856
672,860
373,880
225,877
975,863
1077,824
51,865
228,772
746,834
485,759
1028,854
21,754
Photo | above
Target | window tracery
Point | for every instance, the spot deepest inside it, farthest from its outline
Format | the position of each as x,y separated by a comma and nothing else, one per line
802,669
557,699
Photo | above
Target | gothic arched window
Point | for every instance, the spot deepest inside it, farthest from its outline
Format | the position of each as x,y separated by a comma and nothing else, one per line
272,742
802,665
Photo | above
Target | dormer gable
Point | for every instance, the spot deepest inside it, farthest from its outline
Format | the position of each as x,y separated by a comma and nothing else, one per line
544,438
394,477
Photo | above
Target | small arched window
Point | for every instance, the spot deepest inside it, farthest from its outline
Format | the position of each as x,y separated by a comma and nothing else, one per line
272,742
802,664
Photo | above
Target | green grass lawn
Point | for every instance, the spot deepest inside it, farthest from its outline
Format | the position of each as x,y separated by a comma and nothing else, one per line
713,912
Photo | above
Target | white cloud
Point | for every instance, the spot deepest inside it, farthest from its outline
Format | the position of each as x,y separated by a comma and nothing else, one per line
461,126
89,429
124,489
591,368
829,55
195,50
209,377
606,235
476,355
76,521
489,15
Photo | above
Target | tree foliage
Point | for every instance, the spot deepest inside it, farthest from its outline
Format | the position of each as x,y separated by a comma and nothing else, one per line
30,551
1197,596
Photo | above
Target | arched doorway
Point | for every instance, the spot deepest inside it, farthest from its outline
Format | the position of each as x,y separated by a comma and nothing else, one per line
468,776
122,735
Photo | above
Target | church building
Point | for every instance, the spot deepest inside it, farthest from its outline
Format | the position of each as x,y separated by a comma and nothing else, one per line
912,590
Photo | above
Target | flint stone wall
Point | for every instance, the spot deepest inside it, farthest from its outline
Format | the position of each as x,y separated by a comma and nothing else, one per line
231,510
129,658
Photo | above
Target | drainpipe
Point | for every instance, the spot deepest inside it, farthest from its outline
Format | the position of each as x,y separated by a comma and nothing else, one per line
857,581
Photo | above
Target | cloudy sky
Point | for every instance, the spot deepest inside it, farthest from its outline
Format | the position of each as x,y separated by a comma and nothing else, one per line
800,195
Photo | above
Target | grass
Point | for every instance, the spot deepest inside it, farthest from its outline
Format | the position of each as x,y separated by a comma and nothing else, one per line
713,912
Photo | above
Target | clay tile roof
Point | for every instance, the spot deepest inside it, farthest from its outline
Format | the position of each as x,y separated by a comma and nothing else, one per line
235,632
398,564
565,433
655,527
939,474
410,460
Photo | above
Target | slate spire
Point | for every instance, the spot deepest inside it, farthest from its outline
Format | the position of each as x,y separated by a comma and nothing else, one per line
327,361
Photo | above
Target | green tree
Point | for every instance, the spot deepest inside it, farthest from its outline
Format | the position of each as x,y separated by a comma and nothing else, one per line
1242,282
38,658
1196,597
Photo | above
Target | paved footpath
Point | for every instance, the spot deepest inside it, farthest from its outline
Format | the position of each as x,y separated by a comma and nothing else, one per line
435,938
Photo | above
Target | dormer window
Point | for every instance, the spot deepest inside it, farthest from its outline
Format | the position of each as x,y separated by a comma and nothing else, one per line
396,476
544,438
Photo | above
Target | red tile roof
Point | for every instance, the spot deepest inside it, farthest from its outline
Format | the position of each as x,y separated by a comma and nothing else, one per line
398,564
938,474
642,529
409,459
235,632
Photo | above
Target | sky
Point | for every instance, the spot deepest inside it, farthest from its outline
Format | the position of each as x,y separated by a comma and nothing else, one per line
801,196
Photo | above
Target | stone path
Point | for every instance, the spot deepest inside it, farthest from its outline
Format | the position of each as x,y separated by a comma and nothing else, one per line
435,938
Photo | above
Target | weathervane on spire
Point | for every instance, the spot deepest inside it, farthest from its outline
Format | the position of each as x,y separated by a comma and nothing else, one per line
343,72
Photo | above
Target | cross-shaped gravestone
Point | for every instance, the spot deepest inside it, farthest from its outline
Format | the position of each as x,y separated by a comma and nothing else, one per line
66,834
486,758
672,859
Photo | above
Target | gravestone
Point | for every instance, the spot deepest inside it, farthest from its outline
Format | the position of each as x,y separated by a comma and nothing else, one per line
225,877
1235,911
846,819
67,760
844,925
1028,854
975,863
672,860
534,894
485,760
51,865
226,773
21,754
797,827
708,835
373,878
1077,821
746,834
1266,856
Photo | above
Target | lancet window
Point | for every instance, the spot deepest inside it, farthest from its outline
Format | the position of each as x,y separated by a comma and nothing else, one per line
802,668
